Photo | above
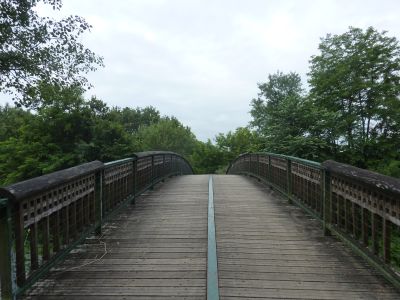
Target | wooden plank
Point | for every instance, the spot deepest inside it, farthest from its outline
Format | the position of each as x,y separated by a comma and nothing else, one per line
302,294
156,248
269,249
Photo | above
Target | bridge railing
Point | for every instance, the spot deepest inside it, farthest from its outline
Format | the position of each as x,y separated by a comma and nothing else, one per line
43,218
361,207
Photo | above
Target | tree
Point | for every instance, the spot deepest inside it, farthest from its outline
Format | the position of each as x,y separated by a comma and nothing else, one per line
356,78
272,93
285,118
168,135
36,49
64,131
240,141
133,118
207,158
12,118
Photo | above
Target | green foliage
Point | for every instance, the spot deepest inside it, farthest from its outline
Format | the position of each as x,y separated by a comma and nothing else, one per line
11,119
352,113
356,77
207,158
36,49
240,141
64,131
169,135
285,117
132,119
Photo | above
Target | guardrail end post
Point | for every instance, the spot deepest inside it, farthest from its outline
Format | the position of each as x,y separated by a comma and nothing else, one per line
7,271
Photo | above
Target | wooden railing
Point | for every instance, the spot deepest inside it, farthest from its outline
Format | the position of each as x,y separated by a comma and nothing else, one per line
360,207
43,218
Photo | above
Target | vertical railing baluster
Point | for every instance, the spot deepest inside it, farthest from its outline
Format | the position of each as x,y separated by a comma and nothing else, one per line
364,226
164,169
269,168
6,251
98,195
374,233
354,219
72,216
289,179
56,231
327,201
153,171
46,238
386,235
19,244
65,219
81,214
33,236
134,180
346,215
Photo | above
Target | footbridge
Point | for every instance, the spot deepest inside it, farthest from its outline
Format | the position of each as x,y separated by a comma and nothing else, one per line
273,227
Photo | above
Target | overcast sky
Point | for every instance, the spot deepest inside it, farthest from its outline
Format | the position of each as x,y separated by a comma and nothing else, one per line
201,60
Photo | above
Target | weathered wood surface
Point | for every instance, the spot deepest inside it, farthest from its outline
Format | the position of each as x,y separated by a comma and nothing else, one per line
270,249
267,249
156,249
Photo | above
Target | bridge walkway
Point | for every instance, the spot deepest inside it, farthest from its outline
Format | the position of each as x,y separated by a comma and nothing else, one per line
266,248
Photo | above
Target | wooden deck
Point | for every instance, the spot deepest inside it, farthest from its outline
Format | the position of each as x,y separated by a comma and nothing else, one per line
270,249
155,249
266,248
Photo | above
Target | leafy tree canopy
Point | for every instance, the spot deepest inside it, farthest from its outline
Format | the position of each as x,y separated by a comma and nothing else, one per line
356,77
237,142
168,135
35,49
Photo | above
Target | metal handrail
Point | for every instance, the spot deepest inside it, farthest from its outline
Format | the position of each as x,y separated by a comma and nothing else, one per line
360,207
58,210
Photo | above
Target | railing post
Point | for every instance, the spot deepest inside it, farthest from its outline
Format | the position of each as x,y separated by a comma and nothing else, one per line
269,169
326,200
152,173
386,235
374,233
98,196
19,244
164,170
8,276
354,220
364,226
134,174
289,179
136,177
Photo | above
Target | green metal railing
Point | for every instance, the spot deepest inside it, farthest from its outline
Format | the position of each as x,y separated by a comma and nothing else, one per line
43,218
360,207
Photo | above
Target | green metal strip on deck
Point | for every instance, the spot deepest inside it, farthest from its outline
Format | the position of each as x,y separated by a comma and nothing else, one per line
212,263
